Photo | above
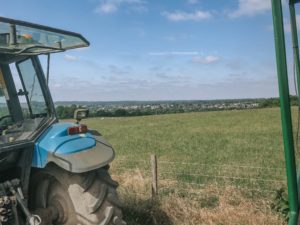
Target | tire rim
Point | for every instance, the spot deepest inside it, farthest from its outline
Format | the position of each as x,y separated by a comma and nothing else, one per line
50,193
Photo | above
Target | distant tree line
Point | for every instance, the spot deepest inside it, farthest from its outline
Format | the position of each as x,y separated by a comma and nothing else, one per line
67,112
275,102
134,112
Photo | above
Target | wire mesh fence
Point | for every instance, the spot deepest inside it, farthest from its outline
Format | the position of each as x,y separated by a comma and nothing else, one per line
192,178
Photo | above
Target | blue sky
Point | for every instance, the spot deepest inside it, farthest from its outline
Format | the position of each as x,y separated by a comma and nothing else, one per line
160,49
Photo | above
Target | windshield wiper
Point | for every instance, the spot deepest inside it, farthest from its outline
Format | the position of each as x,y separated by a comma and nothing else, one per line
26,52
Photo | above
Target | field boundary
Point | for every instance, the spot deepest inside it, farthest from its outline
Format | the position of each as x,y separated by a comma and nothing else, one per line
177,177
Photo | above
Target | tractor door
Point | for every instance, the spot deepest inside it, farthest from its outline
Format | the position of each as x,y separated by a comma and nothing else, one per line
26,104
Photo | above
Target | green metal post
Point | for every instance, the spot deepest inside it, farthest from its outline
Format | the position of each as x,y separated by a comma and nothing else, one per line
295,44
286,117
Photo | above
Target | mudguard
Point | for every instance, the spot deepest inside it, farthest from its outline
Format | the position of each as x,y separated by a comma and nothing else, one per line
75,153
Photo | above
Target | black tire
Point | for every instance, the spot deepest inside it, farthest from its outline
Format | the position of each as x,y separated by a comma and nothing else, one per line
81,199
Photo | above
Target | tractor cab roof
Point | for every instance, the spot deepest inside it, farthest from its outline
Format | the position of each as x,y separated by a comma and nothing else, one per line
23,38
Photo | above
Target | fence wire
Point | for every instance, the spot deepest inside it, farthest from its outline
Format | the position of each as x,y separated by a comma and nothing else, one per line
185,177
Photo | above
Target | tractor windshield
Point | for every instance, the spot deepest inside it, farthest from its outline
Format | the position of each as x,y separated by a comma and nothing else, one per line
22,113
22,38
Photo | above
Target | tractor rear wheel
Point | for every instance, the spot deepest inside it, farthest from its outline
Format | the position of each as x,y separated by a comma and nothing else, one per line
80,199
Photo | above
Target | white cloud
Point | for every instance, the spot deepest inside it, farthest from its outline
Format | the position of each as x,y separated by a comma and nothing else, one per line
206,59
251,7
70,57
177,37
174,53
107,7
184,16
112,6
197,57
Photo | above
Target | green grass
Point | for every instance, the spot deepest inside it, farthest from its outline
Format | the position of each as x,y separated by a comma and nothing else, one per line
218,146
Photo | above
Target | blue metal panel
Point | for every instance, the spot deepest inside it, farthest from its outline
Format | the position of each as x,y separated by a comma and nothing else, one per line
57,140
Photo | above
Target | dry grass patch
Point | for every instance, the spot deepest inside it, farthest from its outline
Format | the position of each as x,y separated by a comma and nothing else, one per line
231,208
208,206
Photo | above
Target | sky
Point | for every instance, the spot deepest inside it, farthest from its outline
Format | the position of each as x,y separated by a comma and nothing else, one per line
160,49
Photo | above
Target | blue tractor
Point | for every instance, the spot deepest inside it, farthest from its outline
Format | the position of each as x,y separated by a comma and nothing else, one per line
50,173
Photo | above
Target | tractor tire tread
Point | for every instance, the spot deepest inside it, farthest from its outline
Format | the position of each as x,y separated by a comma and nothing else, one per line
93,195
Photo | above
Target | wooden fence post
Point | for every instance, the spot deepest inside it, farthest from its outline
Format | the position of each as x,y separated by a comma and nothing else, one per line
154,175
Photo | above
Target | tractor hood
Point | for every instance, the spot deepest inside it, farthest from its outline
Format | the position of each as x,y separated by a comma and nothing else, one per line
23,38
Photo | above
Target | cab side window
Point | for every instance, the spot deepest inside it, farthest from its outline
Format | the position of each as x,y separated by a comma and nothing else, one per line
32,88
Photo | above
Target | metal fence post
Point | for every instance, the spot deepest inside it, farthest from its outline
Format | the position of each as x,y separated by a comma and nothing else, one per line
286,117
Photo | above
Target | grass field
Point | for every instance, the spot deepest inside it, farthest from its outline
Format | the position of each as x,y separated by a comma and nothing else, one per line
237,144
245,137
236,149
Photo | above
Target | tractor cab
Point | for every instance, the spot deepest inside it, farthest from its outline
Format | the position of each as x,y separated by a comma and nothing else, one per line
50,172
25,101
